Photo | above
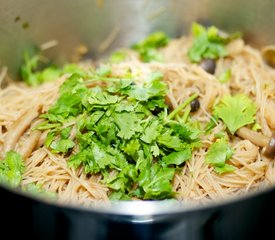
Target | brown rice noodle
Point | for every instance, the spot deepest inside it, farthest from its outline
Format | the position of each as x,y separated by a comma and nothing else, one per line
197,180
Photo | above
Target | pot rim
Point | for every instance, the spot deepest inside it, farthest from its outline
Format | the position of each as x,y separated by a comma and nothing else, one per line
142,211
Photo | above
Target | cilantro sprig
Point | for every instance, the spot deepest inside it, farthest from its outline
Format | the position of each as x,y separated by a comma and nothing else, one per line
36,69
235,111
11,169
148,47
217,155
208,43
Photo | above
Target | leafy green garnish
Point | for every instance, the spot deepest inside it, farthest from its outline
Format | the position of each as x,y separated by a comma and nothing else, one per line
208,43
31,74
11,169
117,56
225,77
35,70
62,146
123,132
217,155
235,111
148,48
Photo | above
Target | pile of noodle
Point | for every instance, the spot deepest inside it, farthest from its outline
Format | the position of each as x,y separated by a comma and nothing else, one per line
21,105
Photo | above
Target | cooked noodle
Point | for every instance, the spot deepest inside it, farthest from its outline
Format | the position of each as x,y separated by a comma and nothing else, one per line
21,105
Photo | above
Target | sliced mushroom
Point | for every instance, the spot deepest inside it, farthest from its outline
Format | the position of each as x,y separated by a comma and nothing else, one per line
268,54
270,148
30,144
19,127
209,65
259,140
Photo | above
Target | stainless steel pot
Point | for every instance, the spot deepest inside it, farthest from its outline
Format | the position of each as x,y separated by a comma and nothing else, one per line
122,22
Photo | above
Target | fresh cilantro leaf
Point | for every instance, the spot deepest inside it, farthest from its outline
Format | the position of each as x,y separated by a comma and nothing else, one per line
71,84
70,101
49,125
73,69
211,124
235,111
157,182
132,148
81,157
225,77
218,153
62,146
104,70
49,139
126,106
147,48
155,149
151,132
12,169
118,56
116,195
152,87
67,105
177,158
170,141
65,133
208,43
128,124
224,169
30,73
101,98
185,132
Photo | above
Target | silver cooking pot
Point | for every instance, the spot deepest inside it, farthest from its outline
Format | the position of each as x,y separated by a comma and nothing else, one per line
103,26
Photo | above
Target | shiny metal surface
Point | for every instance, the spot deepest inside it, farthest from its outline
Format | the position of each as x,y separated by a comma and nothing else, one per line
91,22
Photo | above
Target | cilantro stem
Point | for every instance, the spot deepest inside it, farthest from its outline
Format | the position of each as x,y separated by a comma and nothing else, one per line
182,106
107,79
186,114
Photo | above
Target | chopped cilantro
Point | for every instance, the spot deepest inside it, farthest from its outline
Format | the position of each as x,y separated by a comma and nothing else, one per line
62,146
208,43
225,77
177,158
119,134
11,169
117,56
31,74
217,155
235,111
148,48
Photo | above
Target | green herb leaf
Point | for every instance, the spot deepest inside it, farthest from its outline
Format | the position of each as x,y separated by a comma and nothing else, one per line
62,146
208,43
235,111
151,132
147,48
30,73
177,158
218,153
152,87
224,169
225,77
128,124
11,169
157,184
118,56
